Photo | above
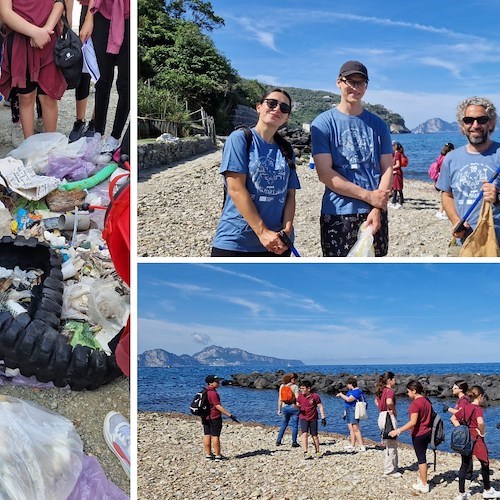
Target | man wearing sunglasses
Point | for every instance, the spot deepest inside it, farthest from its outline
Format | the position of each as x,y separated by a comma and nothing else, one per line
352,151
466,170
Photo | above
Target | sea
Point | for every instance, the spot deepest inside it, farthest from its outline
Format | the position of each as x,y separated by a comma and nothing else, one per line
423,149
172,390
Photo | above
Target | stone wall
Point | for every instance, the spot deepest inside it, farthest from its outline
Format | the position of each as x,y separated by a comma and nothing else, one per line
161,154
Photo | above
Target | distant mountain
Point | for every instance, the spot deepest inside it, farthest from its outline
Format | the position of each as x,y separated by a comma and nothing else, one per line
435,125
213,355
159,358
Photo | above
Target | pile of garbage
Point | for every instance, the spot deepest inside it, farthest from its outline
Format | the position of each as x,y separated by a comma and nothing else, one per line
63,305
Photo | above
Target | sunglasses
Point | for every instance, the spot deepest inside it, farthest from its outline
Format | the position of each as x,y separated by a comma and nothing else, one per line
272,103
355,84
482,120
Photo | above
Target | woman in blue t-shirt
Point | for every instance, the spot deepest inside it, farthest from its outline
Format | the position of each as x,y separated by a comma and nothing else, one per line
260,184
353,394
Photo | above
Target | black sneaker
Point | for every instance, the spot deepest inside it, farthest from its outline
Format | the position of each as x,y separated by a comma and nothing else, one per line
295,445
77,132
90,130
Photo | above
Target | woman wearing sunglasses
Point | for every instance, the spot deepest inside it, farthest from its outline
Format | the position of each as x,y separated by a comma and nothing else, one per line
260,184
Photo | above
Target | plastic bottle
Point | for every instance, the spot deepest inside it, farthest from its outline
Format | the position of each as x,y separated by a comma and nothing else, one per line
311,163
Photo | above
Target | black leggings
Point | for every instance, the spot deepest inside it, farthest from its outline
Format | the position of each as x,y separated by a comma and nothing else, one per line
83,89
218,252
466,467
420,444
107,63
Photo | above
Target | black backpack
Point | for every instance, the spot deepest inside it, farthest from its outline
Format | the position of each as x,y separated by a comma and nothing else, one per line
285,148
437,432
200,405
461,440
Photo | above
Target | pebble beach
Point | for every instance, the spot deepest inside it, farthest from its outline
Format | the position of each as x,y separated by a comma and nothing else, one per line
179,208
171,465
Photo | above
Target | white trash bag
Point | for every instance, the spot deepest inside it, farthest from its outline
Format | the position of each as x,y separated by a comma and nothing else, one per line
41,454
364,244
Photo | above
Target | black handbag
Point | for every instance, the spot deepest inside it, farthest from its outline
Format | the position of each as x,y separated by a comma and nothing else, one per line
388,427
68,54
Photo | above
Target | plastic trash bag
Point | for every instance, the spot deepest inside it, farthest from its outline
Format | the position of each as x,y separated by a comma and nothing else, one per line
71,169
364,244
41,454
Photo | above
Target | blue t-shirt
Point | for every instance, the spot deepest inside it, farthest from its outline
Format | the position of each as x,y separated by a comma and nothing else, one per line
268,179
356,144
462,175
357,393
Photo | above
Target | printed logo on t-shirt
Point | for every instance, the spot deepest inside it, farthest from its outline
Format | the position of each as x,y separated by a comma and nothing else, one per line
469,182
355,147
269,178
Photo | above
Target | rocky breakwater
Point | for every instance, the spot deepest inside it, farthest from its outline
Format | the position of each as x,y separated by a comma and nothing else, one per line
438,386
171,465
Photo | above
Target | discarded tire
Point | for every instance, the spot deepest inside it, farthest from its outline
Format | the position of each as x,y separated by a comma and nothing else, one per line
31,341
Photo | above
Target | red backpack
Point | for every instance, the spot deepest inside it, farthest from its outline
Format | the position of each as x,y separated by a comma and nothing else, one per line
404,160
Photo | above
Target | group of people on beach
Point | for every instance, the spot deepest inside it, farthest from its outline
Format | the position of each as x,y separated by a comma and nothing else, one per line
359,165
29,74
300,406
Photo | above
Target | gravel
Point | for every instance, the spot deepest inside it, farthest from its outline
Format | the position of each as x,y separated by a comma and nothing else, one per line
179,207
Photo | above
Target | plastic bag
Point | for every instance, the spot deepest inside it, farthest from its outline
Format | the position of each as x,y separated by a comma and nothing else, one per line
364,244
71,169
41,454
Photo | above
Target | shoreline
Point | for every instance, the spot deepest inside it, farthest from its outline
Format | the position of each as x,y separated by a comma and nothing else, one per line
171,464
178,209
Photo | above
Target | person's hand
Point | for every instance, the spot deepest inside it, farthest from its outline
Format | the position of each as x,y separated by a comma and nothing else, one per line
234,419
87,28
489,192
338,395
323,422
393,433
272,242
462,235
379,198
445,408
41,37
279,412
373,220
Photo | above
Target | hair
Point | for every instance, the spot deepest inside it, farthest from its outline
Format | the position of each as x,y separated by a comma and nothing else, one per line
475,391
399,147
447,148
415,385
294,375
488,106
382,382
462,385
306,383
286,378
353,381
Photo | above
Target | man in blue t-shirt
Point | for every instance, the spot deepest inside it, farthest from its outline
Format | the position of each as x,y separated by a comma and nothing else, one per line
466,170
352,152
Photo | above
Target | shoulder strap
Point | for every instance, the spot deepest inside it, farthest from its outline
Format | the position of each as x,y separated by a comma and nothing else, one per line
286,149
248,136
468,422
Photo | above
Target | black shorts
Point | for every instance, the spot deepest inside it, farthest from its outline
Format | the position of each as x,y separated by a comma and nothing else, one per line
340,232
309,426
218,252
420,444
212,427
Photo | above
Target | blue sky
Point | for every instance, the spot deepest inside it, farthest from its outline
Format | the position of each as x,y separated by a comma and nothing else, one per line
324,313
423,57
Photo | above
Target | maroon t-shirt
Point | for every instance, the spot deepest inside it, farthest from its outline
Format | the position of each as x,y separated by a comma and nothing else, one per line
213,399
472,412
461,402
423,407
308,406
386,394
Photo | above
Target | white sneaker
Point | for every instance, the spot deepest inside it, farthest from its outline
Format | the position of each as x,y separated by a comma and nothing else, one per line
491,493
17,135
362,448
116,431
109,147
397,206
394,475
463,496
391,205
419,486
349,448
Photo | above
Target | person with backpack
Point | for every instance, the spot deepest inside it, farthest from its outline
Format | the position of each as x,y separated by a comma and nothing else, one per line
287,398
353,395
459,389
400,160
260,178
212,422
385,400
471,415
420,423
434,171
309,402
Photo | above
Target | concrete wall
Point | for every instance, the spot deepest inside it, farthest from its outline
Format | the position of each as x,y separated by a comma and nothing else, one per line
159,154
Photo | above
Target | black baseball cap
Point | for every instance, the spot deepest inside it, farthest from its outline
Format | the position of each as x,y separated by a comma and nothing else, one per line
212,378
352,68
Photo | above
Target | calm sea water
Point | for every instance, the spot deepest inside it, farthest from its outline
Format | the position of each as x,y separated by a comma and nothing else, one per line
172,389
423,149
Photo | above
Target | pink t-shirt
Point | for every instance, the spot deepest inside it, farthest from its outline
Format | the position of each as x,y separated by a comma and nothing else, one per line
423,407
308,406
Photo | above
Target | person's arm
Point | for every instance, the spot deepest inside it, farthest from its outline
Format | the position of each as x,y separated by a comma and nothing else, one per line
480,426
409,425
39,36
238,192
69,11
289,212
55,16
223,410
321,410
454,421
88,24
391,407
348,399
280,403
449,207
384,186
